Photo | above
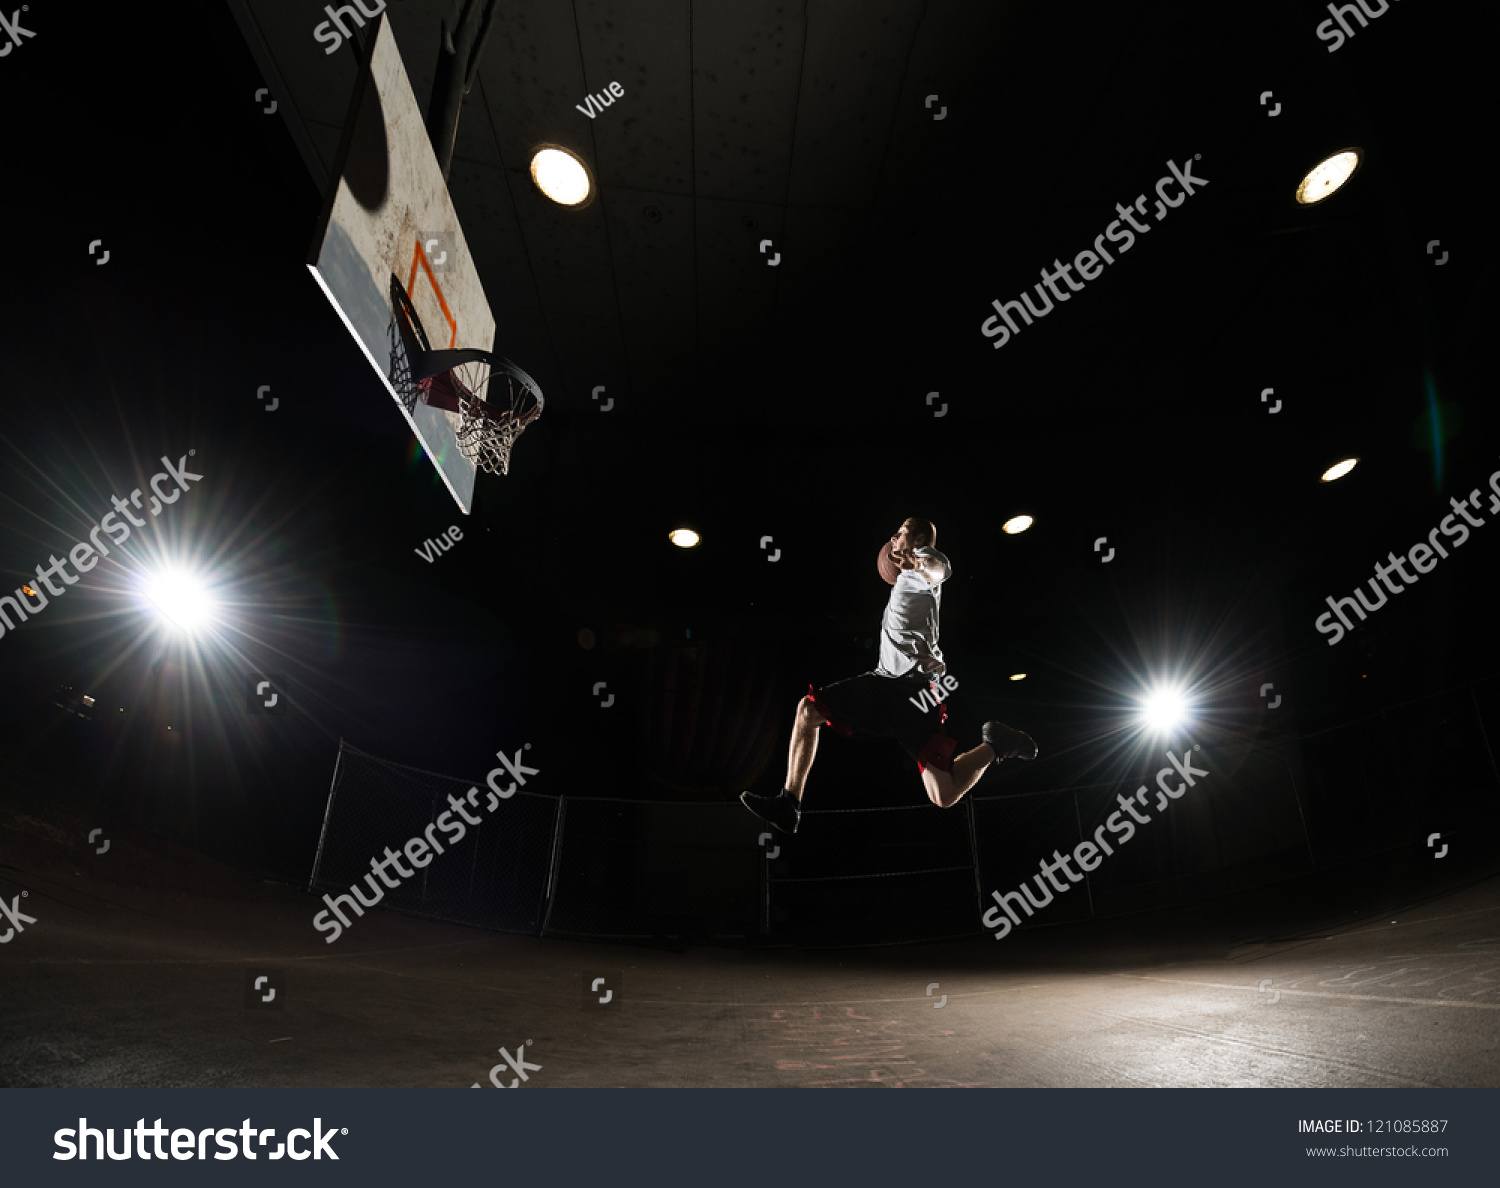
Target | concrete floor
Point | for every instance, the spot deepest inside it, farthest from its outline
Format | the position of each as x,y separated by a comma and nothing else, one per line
134,974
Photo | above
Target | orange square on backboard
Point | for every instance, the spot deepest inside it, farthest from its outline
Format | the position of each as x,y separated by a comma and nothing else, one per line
419,260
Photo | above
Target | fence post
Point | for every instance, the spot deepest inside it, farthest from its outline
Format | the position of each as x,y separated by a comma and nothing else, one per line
765,892
1483,733
974,853
432,815
1088,883
333,788
1312,858
557,830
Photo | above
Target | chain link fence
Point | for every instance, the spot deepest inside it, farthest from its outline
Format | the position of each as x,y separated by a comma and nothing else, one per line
496,874
592,867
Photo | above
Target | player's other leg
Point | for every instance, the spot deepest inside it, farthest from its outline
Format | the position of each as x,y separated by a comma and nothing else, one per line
947,788
784,812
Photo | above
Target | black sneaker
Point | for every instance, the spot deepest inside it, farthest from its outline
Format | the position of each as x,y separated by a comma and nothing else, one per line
783,812
1008,743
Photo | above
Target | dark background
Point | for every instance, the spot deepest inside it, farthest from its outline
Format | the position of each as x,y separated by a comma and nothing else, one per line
1133,412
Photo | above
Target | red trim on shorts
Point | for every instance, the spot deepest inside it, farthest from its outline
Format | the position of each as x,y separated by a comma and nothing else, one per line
842,727
942,708
937,753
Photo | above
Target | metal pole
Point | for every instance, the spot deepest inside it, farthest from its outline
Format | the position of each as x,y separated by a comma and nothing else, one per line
1301,816
557,830
327,813
974,853
1483,733
1088,883
431,817
474,865
765,891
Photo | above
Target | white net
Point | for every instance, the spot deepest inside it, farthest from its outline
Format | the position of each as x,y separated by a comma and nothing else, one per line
495,405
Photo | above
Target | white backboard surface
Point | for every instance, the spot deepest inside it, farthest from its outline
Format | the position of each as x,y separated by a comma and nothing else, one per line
388,213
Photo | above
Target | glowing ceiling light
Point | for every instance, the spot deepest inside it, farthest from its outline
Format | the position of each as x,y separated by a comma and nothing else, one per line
1164,710
1019,676
562,177
1327,177
1016,524
181,598
1339,470
684,538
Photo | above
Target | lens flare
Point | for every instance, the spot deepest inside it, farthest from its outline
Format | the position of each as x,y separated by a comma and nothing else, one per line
1164,710
181,598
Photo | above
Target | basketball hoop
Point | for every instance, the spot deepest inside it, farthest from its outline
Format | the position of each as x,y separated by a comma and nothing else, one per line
490,426
495,399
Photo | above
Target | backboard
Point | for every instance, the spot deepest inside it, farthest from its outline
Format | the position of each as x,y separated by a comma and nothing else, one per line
388,215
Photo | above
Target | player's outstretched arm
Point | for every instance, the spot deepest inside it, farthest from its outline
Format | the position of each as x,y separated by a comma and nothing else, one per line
929,565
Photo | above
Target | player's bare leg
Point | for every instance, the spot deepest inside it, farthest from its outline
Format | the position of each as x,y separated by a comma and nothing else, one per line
804,748
947,788
784,812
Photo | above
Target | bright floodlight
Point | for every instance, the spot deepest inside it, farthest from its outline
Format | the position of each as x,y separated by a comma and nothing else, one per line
1327,177
1164,710
561,176
1339,470
1016,524
181,599
683,538
1019,676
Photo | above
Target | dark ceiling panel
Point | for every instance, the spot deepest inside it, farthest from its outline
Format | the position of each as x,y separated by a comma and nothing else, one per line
570,255
747,61
856,58
652,240
644,140
531,77
736,280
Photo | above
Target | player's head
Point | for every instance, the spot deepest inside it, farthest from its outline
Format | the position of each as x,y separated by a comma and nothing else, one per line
914,533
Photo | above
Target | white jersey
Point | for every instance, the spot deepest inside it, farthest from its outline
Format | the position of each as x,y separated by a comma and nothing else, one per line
909,631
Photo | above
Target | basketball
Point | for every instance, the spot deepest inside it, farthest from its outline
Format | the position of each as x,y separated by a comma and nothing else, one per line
886,564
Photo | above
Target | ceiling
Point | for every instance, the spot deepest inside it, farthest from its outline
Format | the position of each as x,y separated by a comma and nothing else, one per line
809,125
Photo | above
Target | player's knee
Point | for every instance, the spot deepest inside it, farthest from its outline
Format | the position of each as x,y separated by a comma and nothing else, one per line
946,794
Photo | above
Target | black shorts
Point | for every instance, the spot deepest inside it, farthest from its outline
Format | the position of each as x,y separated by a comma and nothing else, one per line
887,707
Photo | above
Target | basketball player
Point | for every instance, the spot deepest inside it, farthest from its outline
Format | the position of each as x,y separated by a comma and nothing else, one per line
885,702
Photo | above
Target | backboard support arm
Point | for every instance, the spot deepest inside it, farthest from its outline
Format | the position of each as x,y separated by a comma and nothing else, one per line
459,53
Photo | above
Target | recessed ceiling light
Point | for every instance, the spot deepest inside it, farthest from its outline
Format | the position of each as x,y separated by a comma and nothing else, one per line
684,538
1328,176
1016,524
562,176
1340,469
